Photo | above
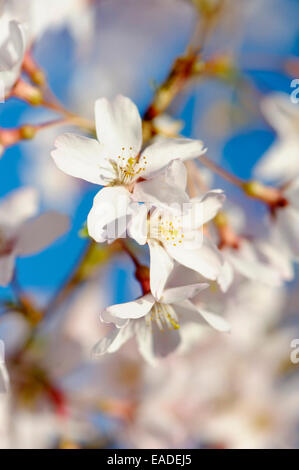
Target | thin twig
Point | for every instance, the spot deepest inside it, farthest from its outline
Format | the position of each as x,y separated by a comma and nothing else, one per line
235,180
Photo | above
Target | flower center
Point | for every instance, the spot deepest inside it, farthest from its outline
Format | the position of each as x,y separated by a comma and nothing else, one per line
127,168
164,316
168,230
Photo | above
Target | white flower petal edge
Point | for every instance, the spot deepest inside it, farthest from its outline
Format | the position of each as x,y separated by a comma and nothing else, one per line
285,223
80,157
4,377
7,265
114,340
37,234
21,234
209,204
156,322
118,125
206,259
161,265
11,58
109,205
178,294
165,188
245,261
18,206
215,321
134,309
162,152
280,161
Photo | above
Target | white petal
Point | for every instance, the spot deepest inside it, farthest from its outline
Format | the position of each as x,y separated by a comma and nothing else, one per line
190,312
37,234
278,257
11,53
161,266
280,161
81,157
280,112
226,276
113,341
4,378
135,309
206,260
118,125
199,211
164,342
14,331
156,192
162,152
111,204
153,343
181,276
18,206
245,261
178,294
145,341
165,188
292,191
137,226
211,203
7,264
215,321
174,173
288,222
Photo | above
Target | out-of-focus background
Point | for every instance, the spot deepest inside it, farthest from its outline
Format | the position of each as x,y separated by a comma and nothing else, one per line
239,390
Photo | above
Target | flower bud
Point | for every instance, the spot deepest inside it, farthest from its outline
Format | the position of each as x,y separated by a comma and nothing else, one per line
27,132
27,92
8,137
271,196
32,70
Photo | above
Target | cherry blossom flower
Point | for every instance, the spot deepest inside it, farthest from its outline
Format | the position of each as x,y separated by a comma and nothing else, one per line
284,213
21,234
252,260
281,160
285,218
156,321
259,259
250,321
178,234
115,162
12,50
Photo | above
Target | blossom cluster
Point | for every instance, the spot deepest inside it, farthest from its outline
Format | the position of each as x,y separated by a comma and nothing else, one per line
148,190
